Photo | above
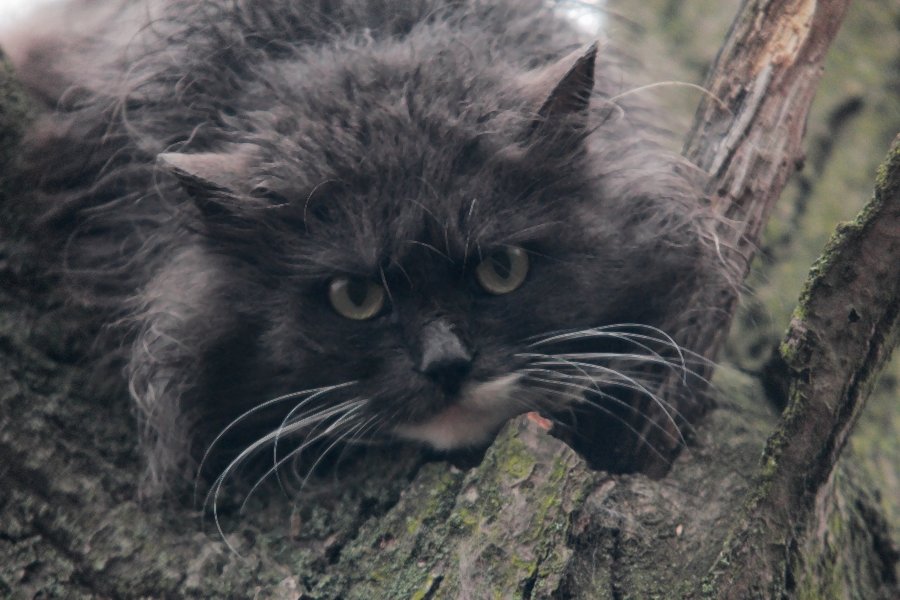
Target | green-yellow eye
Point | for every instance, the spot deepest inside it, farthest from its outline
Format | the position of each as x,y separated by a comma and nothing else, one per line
356,298
503,271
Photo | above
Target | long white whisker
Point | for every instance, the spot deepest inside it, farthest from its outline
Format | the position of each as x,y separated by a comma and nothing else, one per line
306,443
609,397
288,417
619,376
322,456
594,379
616,327
655,359
615,332
314,391
621,329
579,397
554,361
351,437
634,385
212,497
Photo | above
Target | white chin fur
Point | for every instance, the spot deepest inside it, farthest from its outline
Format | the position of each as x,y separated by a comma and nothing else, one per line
482,408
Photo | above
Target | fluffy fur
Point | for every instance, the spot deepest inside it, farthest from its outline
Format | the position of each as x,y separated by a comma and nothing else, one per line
401,142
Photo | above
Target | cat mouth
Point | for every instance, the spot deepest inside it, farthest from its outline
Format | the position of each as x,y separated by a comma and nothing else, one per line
472,420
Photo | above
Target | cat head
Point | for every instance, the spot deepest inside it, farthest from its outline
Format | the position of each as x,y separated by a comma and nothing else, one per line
426,253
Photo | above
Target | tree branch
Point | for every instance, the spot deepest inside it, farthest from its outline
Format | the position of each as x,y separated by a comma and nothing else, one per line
842,333
747,133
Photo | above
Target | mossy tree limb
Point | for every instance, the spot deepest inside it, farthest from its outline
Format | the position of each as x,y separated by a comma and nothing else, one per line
841,335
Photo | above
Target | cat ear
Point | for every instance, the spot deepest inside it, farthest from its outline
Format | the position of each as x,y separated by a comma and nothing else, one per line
563,89
210,175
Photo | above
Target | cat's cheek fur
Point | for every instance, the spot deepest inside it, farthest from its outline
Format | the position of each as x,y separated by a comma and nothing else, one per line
164,361
481,410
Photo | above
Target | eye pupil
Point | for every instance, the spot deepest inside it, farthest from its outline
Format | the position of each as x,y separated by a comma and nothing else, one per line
356,298
504,271
357,291
502,264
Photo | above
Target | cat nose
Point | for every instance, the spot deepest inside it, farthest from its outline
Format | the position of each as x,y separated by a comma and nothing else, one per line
445,357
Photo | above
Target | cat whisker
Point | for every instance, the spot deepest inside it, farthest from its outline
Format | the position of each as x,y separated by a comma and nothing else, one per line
615,327
313,394
681,369
606,382
288,420
447,248
552,361
627,379
589,384
632,383
621,380
432,248
309,198
212,497
307,420
350,438
385,285
684,84
651,358
525,232
326,433
550,387
629,375
691,365
617,331
338,440
468,222
396,264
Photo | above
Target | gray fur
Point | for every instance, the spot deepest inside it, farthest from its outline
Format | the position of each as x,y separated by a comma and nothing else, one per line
395,140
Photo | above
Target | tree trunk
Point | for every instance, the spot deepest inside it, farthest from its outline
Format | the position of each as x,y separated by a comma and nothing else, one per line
531,520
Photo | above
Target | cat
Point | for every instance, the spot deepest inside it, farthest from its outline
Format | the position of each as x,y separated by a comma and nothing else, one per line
363,219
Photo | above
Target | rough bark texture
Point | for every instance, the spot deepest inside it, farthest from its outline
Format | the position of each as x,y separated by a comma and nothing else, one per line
748,131
842,333
531,521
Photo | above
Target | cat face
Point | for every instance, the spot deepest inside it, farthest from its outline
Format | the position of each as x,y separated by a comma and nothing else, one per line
433,324
427,269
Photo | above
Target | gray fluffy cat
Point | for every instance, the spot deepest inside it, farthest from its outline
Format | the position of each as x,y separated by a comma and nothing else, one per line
360,219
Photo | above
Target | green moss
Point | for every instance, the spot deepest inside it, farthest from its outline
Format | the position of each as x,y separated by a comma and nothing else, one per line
425,590
787,350
467,517
883,181
412,525
514,459
527,566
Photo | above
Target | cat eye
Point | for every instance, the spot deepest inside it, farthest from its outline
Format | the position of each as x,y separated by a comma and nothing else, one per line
356,298
503,271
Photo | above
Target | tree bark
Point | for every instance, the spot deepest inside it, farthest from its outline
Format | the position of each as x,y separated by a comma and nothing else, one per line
748,130
531,520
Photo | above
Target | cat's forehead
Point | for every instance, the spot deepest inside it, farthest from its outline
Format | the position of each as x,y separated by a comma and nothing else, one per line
413,108
388,161
366,234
